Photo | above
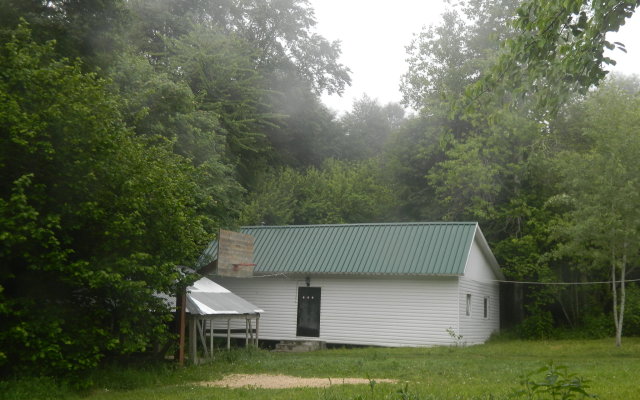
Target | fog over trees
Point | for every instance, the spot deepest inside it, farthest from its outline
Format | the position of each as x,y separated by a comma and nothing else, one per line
132,130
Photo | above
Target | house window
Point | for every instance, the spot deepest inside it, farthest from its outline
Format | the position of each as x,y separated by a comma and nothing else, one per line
486,307
468,304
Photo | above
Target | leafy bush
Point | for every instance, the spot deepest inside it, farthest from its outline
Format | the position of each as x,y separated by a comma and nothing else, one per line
632,311
536,326
556,383
597,326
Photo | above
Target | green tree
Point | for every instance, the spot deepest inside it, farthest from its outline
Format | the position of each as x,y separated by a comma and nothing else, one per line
220,70
601,229
339,192
475,165
275,199
439,66
558,48
83,29
368,127
93,219
257,65
156,104
446,58
306,132
440,63
343,192
282,32
412,151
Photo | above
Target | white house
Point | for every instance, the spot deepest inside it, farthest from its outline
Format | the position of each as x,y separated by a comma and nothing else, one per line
396,284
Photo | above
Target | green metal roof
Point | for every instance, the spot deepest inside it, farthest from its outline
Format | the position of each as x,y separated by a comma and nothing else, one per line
419,248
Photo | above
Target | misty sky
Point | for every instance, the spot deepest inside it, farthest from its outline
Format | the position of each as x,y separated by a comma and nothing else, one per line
374,35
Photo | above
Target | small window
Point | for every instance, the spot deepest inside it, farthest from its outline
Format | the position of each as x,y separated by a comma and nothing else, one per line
468,304
486,307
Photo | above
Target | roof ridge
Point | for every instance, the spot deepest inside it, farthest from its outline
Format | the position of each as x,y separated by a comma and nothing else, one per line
415,223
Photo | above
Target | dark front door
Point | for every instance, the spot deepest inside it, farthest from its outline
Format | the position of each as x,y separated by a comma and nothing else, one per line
308,311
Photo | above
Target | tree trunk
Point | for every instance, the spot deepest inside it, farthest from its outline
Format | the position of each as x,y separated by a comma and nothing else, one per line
618,308
623,273
559,300
614,292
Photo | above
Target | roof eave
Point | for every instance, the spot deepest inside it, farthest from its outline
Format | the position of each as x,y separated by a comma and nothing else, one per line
313,273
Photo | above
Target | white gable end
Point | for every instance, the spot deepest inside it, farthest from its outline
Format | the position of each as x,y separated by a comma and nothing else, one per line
478,267
481,264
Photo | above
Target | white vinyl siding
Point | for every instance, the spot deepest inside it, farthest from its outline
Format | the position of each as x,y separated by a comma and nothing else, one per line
479,281
475,328
356,310
278,299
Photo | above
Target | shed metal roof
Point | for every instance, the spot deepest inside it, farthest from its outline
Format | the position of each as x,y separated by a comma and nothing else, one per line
418,248
206,297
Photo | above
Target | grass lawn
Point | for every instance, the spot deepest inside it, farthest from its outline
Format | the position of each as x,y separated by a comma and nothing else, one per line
477,372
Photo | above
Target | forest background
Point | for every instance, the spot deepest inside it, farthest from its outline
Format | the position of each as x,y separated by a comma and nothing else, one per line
132,130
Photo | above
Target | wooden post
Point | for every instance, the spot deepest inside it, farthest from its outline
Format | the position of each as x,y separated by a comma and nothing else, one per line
193,341
200,324
228,334
246,332
257,329
182,326
211,336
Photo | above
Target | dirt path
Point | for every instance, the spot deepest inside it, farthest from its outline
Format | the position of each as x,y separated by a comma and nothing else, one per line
265,381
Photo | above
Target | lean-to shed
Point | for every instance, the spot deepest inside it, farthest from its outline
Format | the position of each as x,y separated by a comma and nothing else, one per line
392,284
212,308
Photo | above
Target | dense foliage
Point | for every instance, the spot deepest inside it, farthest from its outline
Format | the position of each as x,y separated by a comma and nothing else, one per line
131,130
560,45
93,219
339,193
